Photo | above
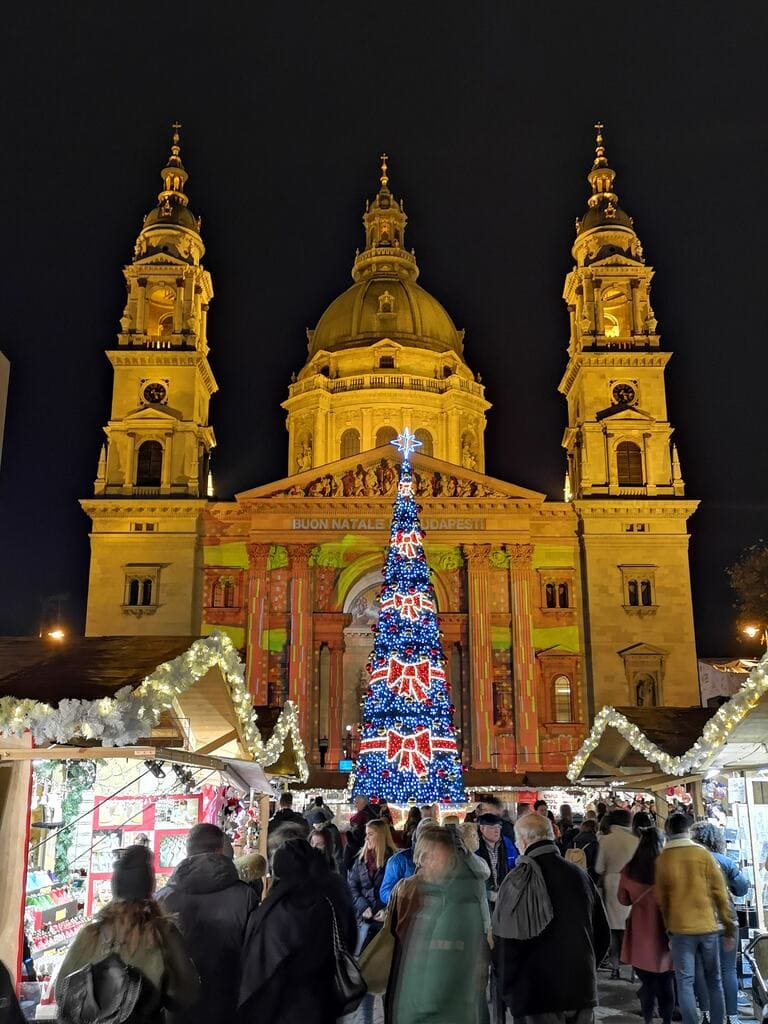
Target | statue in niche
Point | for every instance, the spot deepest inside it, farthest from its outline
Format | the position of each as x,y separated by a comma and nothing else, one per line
468,456
645,691
304,457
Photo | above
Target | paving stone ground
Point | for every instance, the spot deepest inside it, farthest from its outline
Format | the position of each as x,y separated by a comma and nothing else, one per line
617,1003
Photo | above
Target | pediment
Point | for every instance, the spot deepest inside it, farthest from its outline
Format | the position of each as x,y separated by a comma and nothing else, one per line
374,473
643,650
624,412
152,412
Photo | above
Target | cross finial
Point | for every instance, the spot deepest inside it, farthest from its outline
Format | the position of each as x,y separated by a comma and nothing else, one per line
599,141
384,163
406,443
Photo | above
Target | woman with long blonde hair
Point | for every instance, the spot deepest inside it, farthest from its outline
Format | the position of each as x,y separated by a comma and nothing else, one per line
365,878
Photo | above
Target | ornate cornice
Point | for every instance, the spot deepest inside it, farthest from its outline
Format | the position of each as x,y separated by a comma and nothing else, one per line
120,508
609,358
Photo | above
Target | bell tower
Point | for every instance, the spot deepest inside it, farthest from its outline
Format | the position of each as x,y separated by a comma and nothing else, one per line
153,471
623,471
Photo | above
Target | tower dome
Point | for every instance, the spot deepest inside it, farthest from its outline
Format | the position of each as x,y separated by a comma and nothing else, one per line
385,301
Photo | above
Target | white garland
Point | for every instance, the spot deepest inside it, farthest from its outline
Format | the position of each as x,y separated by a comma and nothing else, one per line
713,736
121,720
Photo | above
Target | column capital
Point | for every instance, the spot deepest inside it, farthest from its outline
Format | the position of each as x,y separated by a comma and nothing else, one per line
477,555
258,554
298,555
520,555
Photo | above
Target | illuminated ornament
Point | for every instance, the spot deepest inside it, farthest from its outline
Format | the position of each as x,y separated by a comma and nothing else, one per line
412,752
406,443
410,606
405,488
408,542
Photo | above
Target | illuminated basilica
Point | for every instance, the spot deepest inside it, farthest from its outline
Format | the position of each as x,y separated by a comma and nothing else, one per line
549,609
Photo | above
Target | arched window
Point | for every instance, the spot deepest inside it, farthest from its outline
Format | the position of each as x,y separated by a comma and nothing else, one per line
149,464
166,325
615,312
550,595
146,591
426,441
350,443
384,435
132,596
629,464
223,595
562,595
561,692
632,594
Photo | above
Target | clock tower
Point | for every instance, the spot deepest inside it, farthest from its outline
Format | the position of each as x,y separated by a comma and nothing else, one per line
153,469
623,472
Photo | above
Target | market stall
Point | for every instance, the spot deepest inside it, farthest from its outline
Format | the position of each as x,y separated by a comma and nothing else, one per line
105,742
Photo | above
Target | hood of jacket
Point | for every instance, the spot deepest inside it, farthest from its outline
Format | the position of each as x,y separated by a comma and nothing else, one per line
204,873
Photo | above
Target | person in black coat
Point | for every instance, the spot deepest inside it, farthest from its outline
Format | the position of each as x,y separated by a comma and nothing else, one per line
287,814
553,971
212,908
586,840
288,963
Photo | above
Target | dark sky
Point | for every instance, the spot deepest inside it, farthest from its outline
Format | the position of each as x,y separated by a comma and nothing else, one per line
486,110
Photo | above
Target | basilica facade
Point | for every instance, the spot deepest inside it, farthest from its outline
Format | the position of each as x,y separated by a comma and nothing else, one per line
549,609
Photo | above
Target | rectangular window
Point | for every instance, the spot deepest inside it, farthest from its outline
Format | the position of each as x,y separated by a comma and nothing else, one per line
138,527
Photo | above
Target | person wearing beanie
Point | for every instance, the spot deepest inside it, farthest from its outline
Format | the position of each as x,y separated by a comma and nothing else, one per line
213,907
134,926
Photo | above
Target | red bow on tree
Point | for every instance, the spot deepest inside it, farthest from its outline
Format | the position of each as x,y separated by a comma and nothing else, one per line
410,606
409,680
413,752
407,543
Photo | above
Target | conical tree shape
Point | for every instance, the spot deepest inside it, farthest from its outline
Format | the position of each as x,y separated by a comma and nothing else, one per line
408,749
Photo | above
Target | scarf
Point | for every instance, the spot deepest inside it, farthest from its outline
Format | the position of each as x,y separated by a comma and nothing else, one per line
523,908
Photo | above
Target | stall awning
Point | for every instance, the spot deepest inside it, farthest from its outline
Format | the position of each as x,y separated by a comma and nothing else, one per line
108,693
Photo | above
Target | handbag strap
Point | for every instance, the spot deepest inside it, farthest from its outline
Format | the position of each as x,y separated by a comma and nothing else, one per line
338,946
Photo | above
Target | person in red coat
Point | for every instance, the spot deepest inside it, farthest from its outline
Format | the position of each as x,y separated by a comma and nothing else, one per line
645,943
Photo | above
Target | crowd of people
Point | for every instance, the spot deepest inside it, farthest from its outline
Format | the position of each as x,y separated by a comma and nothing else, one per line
458,922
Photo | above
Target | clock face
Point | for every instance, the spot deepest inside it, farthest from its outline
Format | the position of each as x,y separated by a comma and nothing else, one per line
154,393
624,394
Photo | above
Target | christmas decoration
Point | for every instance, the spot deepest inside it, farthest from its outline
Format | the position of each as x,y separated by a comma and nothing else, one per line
713,736
121,720
408,748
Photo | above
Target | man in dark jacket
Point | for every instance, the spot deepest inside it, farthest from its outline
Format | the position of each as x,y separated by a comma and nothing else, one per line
548,970
286,814
498,852
212,908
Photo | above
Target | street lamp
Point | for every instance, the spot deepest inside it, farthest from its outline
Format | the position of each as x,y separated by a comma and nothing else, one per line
347,742
752,631
56,634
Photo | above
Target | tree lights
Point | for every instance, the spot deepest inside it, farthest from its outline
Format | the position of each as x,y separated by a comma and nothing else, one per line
408,751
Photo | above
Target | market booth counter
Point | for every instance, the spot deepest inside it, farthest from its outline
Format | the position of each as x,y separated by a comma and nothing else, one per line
110,741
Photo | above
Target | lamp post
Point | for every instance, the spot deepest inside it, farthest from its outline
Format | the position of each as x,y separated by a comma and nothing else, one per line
752,630
348,743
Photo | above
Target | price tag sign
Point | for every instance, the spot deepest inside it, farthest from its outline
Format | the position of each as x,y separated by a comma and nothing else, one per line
61,914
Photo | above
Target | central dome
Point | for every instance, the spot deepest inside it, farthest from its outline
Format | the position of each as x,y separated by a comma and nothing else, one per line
385,306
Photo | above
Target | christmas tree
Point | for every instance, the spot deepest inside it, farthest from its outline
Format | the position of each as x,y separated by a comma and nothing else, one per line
408,751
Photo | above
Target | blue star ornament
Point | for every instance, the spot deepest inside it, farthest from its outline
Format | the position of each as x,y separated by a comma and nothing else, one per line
406,443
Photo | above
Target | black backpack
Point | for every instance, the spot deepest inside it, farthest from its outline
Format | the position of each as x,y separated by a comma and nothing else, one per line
107,992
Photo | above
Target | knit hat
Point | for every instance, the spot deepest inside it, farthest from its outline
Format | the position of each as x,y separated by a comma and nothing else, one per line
488,819
132,875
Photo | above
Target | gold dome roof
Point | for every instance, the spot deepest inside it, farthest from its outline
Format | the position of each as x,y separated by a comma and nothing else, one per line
383,306
385,301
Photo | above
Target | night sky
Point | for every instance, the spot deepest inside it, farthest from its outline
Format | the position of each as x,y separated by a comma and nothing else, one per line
486,110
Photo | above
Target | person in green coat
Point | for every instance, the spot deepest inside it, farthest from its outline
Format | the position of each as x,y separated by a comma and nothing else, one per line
440,961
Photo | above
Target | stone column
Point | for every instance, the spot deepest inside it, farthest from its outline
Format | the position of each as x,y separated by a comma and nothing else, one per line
335,703
480,653
257,623
300,652
526,711
141,306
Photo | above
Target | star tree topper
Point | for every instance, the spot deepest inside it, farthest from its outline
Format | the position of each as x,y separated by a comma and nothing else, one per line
406,443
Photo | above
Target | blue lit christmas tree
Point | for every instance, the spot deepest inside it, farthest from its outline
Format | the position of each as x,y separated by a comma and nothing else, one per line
408,749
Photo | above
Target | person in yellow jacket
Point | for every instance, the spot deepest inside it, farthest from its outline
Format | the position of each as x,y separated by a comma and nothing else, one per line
695,906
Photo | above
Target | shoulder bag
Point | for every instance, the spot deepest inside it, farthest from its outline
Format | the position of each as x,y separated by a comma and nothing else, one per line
348,984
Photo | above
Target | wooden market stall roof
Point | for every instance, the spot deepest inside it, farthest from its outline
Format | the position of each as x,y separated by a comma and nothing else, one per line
655,744
120,692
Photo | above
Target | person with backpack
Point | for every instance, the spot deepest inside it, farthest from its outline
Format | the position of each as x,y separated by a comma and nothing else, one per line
212,906
568,830
645,945
585,847
131,952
